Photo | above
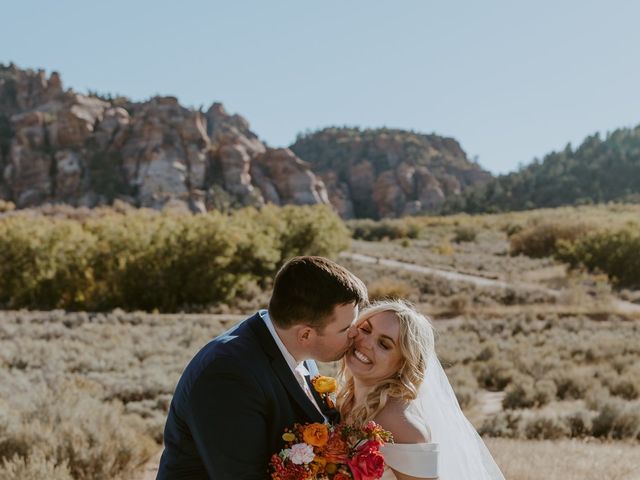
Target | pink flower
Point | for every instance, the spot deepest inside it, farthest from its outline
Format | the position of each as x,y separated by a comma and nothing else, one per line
368,462
301,453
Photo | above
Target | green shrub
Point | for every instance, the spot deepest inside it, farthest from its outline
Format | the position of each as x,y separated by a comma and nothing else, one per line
391,229
142,259
541,240
614,253
465,234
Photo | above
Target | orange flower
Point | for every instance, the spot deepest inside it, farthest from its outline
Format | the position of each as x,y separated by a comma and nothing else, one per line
315,434
324,384
336,449
341,476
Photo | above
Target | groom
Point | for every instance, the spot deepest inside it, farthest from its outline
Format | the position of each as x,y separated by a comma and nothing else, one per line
240,392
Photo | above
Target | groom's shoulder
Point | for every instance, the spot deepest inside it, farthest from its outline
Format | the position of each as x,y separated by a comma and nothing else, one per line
234,348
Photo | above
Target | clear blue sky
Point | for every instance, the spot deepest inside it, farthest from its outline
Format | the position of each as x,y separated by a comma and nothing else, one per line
510,80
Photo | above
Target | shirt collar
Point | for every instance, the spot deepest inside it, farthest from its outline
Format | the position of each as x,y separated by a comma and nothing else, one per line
293,365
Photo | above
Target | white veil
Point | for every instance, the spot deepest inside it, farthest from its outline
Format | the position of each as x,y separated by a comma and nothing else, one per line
462,453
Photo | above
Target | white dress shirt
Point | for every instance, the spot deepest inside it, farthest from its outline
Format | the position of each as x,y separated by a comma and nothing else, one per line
297,368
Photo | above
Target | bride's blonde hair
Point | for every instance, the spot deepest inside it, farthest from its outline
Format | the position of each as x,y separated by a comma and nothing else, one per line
416,342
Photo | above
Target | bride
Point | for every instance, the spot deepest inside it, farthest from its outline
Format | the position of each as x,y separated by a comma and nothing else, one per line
392,375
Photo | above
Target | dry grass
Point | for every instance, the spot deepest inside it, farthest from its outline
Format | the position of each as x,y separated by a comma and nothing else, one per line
566,459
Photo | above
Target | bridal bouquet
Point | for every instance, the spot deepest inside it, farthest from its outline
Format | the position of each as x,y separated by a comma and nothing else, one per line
317,451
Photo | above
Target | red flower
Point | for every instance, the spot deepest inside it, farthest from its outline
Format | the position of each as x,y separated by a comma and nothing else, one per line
341,476
368,462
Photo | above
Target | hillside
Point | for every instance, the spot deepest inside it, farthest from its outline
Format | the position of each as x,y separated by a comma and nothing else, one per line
599,170
388,173
60,146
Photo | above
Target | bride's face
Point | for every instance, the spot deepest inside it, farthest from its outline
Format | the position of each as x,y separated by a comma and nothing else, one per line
375,354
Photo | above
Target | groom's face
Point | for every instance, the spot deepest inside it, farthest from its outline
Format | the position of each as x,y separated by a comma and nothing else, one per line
333,342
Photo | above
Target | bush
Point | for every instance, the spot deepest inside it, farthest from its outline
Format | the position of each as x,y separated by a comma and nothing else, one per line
95,440
618,421
465,234
572,384
519,394
545,428
579,423
35,467
389,229
6,206
627,388
541,240
504,424
141,259
494,375
614,253
389,288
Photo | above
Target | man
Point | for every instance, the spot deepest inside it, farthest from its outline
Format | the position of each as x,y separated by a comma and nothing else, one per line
240,392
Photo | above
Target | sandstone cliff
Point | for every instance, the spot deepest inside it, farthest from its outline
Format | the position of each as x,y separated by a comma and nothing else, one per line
387,173
62,146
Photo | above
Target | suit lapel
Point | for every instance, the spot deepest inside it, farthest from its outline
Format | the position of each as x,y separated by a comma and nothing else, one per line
281,368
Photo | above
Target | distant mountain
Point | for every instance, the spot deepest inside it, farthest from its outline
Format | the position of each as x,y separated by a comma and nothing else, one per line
387,173
599,170
61,146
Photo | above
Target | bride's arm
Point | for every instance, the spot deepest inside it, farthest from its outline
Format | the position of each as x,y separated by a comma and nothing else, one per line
405,429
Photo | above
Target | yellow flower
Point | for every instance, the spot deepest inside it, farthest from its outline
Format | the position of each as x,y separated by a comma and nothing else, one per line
316,434
324,384
331,468
320,460
288,437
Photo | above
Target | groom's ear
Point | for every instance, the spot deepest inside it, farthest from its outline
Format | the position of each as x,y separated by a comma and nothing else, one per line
305,333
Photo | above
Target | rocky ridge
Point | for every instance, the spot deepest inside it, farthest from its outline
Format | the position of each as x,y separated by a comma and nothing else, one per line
388,173
60,146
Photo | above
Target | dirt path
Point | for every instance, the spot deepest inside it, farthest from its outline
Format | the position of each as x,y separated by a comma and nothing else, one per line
617,305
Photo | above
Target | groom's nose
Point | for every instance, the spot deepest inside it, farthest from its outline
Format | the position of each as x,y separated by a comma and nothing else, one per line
352,332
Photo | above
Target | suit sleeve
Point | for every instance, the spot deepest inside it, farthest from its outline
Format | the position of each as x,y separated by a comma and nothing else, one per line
227,418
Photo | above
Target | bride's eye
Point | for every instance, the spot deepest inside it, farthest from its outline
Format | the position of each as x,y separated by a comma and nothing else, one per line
384,346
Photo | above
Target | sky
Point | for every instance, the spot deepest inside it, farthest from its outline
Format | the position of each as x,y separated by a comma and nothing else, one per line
510,80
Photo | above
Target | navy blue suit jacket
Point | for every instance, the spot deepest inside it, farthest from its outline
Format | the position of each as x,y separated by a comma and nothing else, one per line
230,408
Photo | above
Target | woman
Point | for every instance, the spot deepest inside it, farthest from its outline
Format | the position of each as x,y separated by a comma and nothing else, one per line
392,375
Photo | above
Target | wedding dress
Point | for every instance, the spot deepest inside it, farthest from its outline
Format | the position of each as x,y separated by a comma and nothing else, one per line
456,453
417,460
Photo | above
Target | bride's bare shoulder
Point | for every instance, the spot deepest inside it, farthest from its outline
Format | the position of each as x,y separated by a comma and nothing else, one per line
405,427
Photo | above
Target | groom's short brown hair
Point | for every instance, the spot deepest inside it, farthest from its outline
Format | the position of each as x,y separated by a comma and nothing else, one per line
307,289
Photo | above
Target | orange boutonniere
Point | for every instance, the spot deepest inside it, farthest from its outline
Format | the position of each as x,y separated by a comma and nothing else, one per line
326,388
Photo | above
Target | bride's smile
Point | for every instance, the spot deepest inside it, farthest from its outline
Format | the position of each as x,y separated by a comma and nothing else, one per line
375,354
